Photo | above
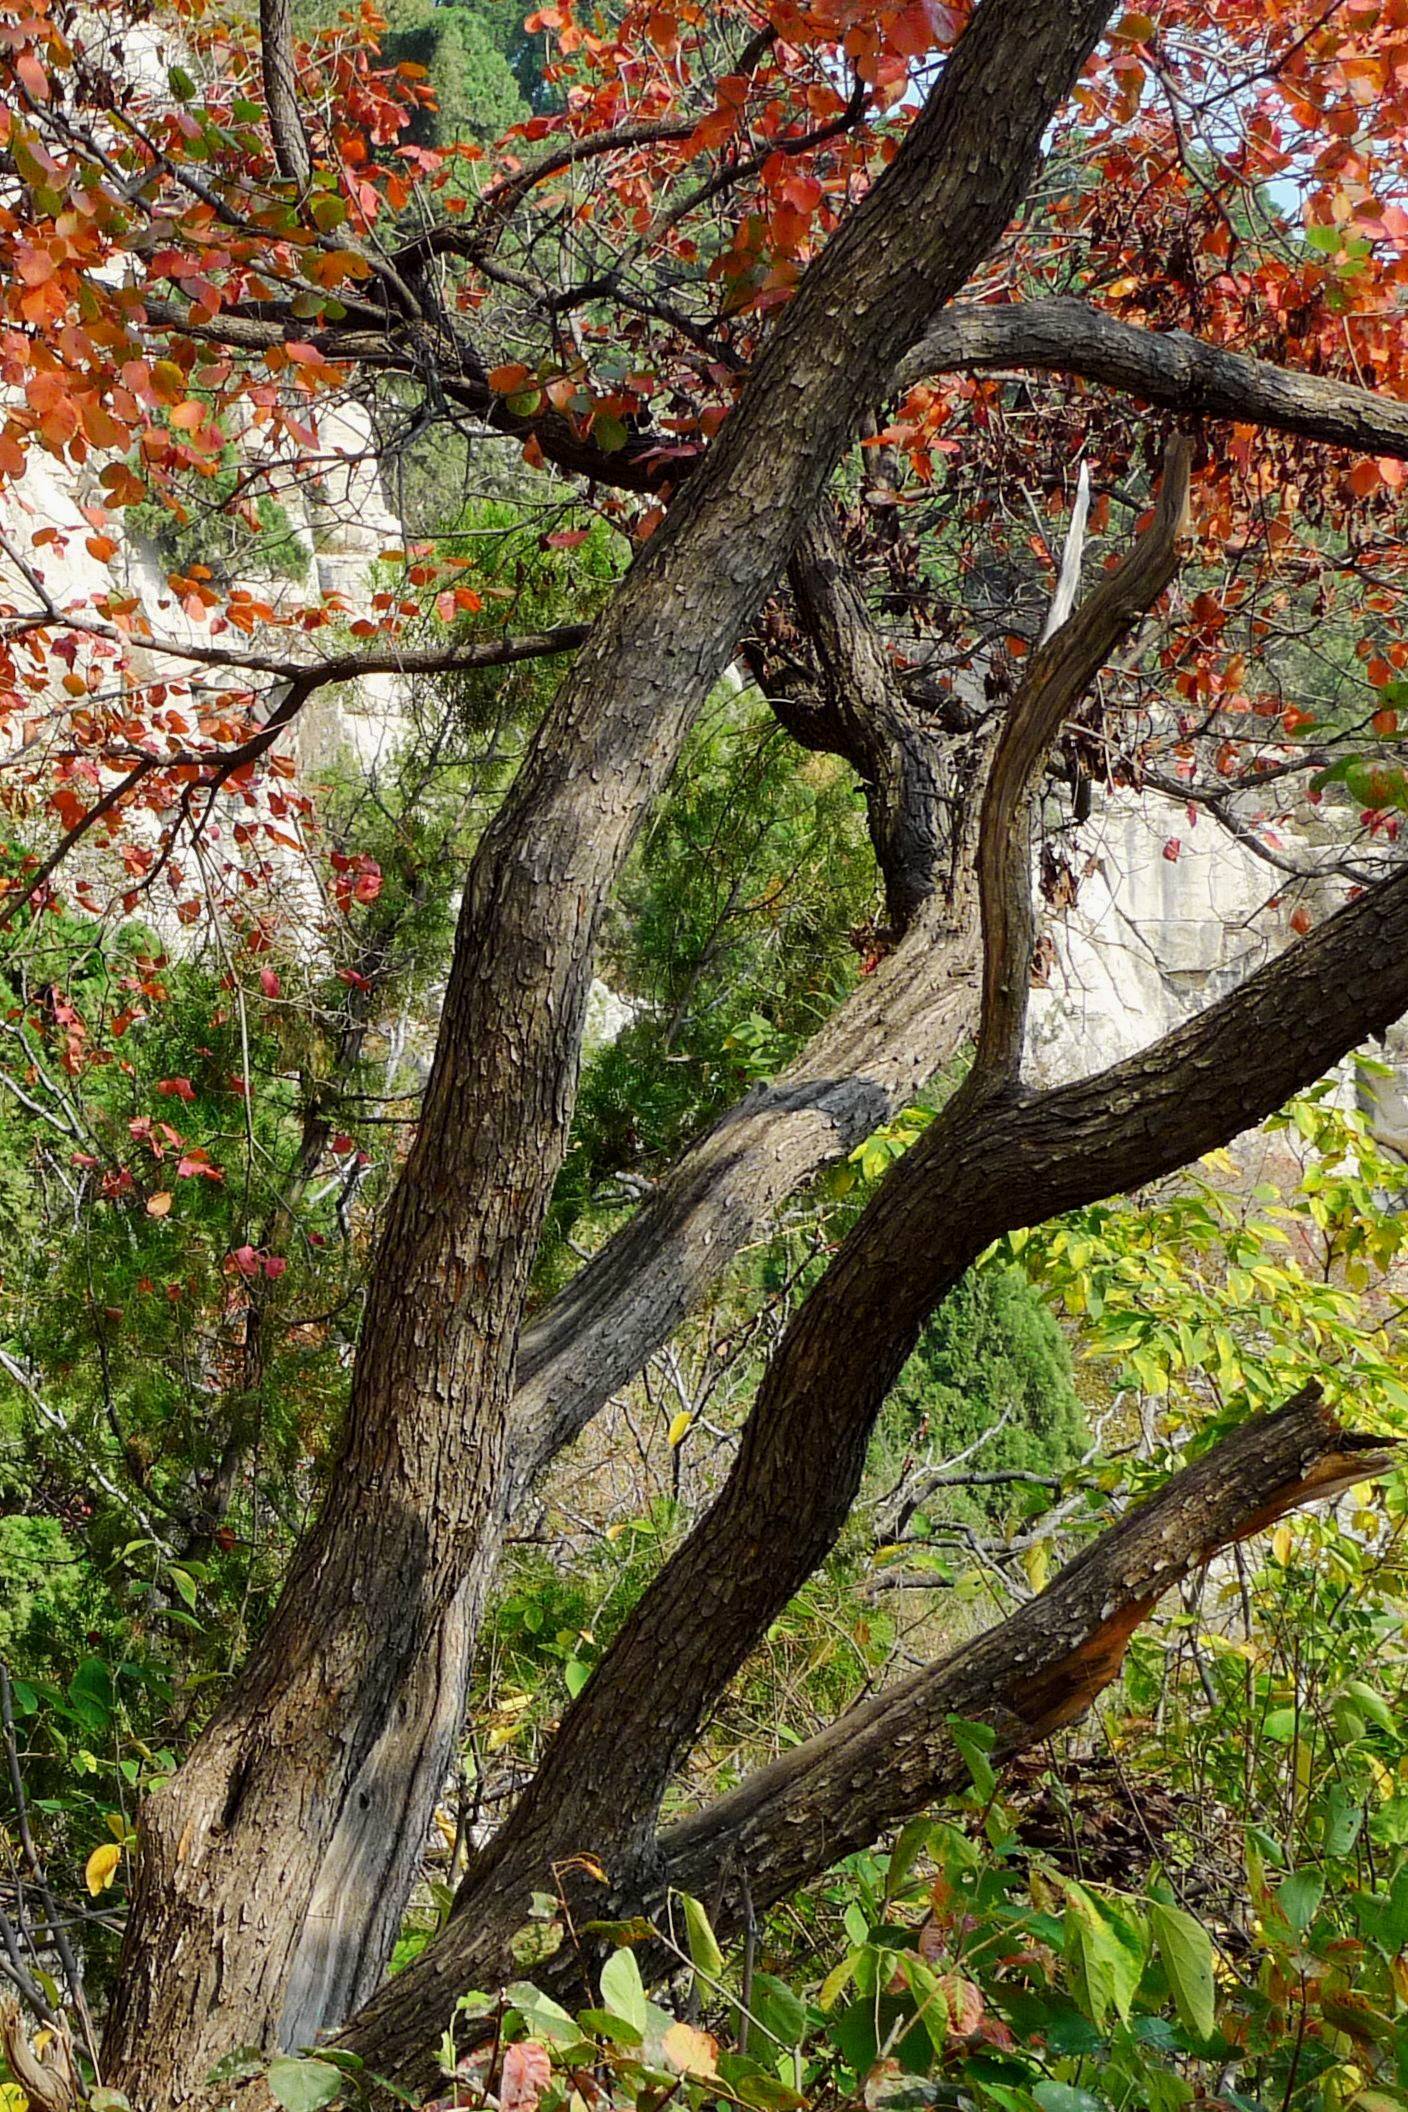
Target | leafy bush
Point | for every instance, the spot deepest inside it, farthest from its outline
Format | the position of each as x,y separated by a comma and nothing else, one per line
991,1379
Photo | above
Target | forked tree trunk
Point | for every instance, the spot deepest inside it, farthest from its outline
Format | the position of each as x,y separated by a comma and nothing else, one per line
273,1865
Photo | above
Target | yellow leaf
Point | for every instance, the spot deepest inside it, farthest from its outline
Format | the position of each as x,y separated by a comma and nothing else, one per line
12,2098
1036,1561
1282,1542
101,1867
692,2052
503,1734
679,1428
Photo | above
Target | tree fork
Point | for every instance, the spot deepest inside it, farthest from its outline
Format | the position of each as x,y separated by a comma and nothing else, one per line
274,1865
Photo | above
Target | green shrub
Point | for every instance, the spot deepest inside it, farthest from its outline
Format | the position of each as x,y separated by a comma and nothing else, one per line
992,1359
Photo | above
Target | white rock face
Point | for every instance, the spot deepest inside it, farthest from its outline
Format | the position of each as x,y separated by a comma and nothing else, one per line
608,1016
1151,939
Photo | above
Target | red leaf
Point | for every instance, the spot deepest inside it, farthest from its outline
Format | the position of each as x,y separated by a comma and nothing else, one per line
176,1088
269,982
526,2074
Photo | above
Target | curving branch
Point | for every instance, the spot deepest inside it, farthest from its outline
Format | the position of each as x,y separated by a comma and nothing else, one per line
901,753
1165,367
1058,676
350,1702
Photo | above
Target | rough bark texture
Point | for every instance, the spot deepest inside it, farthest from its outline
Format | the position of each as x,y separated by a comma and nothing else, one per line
881,1047
893,1756
990,1163
1166,367
291,150
274,1864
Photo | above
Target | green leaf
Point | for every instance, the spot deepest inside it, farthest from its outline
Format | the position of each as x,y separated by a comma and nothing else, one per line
837,1981
1105,1954
608,432
913,1840
304,2086
180,83
769,2094
1185,1951
622,1991
927,1992
1384,1916
601,2024
1064,2097
545,2018
782,2014
1371,1704
975,1741
699,1934
1299,1896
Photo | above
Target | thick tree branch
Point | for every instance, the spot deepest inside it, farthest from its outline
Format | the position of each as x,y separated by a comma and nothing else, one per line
348,1708
898,753
1166,367
879,1050
1038,1671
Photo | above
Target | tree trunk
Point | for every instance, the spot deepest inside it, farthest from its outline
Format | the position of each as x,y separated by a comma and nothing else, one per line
275,1862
